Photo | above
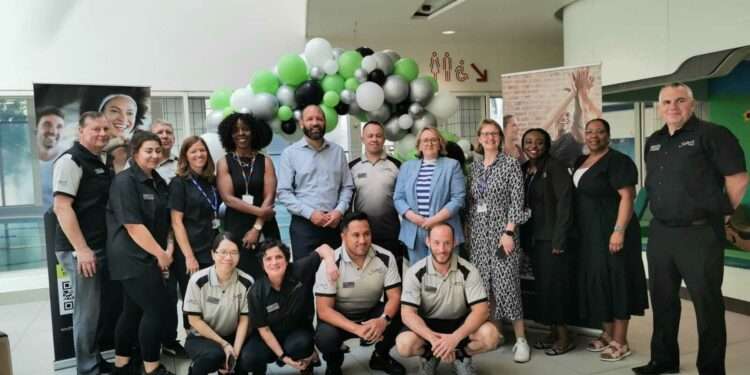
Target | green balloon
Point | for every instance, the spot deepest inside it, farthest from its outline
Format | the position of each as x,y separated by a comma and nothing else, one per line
351,84
220,99
448,136
433,81
407,69
349,61
285,113
264,81
228,111
332,118
292,70
331,99
333,83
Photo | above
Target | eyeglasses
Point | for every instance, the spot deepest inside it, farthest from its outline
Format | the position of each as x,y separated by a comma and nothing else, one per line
224,253
431,140
489,134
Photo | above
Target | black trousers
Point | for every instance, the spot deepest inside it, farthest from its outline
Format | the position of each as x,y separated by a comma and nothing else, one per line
143,309
306,237
208,356
297,344
328,338
695,254
552,283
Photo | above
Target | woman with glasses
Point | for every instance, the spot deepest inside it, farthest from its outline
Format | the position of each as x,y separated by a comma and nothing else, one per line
216,306
429,190
495,209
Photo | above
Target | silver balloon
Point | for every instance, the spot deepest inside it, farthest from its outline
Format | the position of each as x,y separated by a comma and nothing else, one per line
354,108
392,54
275,125
381,114
298,115
337,52
264,106
361,75
384,62
405,121
427,120
317,72
285,94
393,132
421,90
396,89
415,109
348,96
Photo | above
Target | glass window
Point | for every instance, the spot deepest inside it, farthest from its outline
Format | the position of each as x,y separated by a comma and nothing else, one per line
16,159
465,121
198,110
169,108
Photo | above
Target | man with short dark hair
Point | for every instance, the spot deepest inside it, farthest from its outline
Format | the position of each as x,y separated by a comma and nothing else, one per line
49,127
351,306
695,179
445,307
81,182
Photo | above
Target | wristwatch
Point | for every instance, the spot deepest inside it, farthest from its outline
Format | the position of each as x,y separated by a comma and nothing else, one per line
257,227
509,233
386,318
618,229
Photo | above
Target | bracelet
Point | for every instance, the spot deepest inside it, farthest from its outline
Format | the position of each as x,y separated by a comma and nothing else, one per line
281,357
618,229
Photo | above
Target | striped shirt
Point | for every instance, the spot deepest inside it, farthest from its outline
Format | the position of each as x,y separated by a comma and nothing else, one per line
424,187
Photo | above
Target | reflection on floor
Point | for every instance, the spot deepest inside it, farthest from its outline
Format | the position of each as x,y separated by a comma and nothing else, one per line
29,329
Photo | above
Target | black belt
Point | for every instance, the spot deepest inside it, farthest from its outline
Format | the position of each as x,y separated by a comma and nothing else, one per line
682,223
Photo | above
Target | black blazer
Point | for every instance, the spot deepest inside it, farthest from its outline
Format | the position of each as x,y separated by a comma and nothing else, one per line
551,203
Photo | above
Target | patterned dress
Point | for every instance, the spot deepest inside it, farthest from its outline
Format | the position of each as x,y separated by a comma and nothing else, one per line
495,198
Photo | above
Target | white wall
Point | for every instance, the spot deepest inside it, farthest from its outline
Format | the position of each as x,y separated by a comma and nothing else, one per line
178,45
639,39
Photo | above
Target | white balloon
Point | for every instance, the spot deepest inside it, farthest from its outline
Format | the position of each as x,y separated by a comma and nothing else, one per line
241,100
331,67
213,120
406,144
318,51
370,96
214,146
369,63
464,144
275,125
264,106
294,137
405,121
443,105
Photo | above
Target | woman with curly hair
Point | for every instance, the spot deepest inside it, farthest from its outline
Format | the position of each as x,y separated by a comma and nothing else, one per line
247,184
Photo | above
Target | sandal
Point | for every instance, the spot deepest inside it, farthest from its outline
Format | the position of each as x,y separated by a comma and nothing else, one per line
599,344
615,352
556,349
545,342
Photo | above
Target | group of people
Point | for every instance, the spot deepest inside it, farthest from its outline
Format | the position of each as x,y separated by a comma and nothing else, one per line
157,227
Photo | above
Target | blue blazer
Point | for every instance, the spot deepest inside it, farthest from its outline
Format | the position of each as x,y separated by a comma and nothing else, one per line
448,191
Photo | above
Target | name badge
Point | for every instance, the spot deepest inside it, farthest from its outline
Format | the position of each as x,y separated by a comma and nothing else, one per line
148,197
213,300
215,223
430,289
687,143
481,208
247,198
348,284
655,148
272,308
99,170
361,175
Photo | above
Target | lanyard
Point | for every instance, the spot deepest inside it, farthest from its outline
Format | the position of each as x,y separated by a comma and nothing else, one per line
214,203
243,165
483,180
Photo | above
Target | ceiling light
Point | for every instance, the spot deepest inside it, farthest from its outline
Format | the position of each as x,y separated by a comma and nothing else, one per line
449,32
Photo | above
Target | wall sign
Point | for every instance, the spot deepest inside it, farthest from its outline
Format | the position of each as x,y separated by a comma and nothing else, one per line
442,69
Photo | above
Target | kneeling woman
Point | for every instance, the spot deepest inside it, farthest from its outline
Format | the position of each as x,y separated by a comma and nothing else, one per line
281,304
216,307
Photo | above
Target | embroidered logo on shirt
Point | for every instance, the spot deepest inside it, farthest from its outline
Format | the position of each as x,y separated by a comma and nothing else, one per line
148,197
272,308
655,148
348,284
690,143
99,170
213,300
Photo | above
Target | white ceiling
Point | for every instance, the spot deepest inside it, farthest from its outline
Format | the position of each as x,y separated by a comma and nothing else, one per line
473,20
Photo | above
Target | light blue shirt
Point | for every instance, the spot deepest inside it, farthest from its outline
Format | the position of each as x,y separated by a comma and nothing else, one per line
311,179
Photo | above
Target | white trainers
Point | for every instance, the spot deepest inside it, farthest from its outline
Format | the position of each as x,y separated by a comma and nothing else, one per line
464,367
521,350
428,366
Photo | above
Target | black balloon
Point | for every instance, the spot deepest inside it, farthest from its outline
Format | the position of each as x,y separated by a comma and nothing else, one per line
342,108
377,76
365,51
308,93
401,108
289,126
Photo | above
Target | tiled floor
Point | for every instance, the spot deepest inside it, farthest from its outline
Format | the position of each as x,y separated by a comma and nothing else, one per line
29,329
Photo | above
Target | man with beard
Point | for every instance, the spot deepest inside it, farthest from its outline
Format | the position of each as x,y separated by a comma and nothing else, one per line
444,306
315,185
49,126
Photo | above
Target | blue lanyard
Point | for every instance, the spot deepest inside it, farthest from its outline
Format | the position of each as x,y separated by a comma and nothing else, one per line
214,203
483,180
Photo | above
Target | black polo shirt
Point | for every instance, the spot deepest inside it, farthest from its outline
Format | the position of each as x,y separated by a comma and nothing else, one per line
197,212
686,170
291,307
85,177
135,198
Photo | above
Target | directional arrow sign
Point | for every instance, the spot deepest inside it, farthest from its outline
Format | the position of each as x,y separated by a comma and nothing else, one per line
482,74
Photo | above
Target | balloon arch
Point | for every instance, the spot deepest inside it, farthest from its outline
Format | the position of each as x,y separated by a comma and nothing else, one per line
369,85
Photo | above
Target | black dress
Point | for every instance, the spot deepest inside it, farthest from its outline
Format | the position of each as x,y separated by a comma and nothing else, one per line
611,286
238,223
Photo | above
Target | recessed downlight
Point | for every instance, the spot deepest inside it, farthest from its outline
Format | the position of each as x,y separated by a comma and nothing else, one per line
449,32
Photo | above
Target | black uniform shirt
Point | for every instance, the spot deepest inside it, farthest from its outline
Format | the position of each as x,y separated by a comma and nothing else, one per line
685,171
291,307
135,198
197,212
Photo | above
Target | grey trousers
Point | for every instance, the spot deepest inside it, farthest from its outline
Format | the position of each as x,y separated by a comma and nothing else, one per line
87,292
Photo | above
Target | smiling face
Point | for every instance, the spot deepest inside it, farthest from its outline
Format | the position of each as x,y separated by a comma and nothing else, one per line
533,145
440,241
676,105
357,238
48,131
120,113
429,144
166,136
490,137
197,157
597,137
313,123
226,256
374,139
148,155
94,134
241,135
274,263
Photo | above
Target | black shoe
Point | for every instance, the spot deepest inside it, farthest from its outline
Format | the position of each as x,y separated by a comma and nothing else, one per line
105,367
175,349
161,370
654,368
386,363
333,370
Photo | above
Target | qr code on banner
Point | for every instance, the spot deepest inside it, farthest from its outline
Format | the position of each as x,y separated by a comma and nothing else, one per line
65,295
